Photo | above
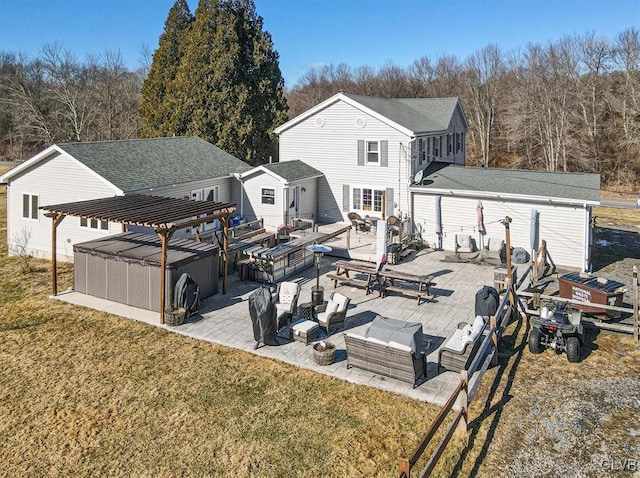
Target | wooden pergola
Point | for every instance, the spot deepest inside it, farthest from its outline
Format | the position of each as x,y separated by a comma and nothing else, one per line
164,215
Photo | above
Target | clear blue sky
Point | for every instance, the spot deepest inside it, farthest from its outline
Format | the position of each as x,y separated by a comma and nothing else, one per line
308,33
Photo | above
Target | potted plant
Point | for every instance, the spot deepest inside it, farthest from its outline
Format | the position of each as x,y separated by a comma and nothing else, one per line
324,352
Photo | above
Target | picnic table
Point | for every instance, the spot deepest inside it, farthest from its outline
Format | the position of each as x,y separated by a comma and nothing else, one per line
384,281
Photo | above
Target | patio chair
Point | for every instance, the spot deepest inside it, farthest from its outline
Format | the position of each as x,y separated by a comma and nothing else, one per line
286,301
463,243
495,244
357,222
331,316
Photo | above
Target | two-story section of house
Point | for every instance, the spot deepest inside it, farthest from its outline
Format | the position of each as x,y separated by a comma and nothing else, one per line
369,149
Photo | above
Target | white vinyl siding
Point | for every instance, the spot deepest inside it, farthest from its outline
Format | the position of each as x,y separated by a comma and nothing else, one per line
273,214
333,149
56,180
566,245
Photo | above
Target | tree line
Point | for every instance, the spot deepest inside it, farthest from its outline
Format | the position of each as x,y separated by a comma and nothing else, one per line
570,105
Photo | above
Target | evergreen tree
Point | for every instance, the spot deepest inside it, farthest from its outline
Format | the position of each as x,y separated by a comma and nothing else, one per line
158,102
229,89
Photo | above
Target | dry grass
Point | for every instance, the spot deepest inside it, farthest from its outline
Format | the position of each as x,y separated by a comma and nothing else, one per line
617,216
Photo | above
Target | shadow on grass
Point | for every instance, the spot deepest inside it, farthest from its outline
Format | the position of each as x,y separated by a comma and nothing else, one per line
508,364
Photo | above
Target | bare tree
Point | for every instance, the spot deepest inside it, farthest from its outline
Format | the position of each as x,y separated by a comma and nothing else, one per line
483,72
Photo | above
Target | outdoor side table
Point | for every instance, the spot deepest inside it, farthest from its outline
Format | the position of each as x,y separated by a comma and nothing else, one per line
305,310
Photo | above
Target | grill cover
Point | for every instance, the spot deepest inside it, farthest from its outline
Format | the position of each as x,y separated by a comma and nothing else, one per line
263,316
487,301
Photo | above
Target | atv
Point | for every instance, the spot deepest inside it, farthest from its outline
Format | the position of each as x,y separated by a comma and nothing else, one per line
558,327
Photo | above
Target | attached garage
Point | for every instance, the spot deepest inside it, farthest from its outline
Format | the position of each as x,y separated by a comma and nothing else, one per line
125,268
563,202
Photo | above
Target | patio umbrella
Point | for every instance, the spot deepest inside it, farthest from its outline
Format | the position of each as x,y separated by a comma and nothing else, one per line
481,228
533,231
439,220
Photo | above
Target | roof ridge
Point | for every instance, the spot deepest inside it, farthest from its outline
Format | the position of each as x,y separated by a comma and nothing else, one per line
130,140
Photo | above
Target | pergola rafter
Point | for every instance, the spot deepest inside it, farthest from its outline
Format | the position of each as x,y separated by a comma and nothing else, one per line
164,215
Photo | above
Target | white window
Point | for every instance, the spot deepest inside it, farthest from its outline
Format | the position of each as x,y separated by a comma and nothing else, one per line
458,142
436,147
373,155
30,206
213,195
268,196
449,144
367,199
424,146
94,224
357,198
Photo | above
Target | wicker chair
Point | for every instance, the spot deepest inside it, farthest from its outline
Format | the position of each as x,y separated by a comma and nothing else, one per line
286,301
357,222
332,314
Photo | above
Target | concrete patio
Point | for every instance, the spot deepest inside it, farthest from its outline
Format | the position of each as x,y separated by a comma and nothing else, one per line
225,320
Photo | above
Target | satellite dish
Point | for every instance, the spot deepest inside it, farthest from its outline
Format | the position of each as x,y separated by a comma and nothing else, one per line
417,179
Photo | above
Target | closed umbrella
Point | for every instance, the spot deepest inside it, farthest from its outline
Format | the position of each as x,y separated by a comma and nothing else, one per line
533,231
481,228
439,221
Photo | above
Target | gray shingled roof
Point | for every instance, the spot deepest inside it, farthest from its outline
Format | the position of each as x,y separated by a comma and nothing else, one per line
574,186
416,114
144,163
292,171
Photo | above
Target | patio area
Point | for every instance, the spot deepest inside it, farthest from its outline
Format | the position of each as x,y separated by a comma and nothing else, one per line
224,319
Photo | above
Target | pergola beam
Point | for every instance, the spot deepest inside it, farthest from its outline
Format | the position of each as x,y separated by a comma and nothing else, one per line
164,215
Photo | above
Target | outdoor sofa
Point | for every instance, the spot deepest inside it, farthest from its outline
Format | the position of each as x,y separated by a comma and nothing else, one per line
459,351
389,347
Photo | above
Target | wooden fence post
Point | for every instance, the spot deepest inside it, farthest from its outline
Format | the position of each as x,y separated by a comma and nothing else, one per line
635,303
494,339
464,400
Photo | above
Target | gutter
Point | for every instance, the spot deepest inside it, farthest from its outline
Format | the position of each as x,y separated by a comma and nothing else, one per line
495,195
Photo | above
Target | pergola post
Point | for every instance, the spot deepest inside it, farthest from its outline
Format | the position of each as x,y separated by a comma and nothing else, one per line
164,239
225,252
55,220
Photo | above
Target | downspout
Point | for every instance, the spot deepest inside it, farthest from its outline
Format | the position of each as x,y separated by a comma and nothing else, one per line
238,176
586,266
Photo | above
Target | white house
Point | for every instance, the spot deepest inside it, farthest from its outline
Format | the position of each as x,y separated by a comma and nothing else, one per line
279,192
183,167
369,148
563,202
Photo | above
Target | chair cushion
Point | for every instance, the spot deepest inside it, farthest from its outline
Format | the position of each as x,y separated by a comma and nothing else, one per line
332,306
457,342
341,300
303,326
494,244
463,240
477,328
285,297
